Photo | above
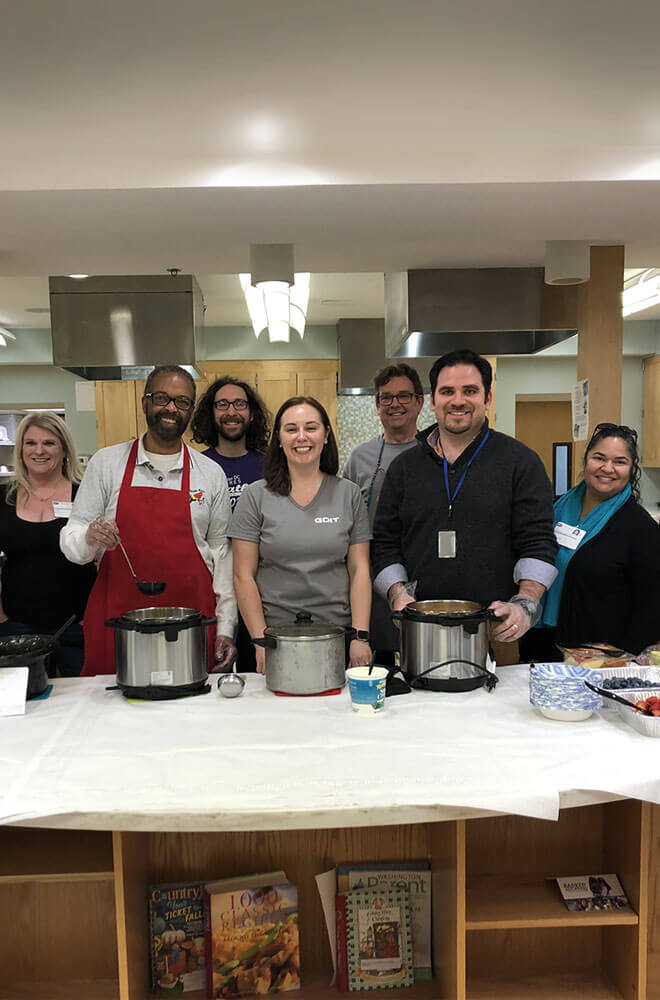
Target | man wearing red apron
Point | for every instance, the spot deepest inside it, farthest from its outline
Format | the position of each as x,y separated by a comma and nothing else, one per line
170,507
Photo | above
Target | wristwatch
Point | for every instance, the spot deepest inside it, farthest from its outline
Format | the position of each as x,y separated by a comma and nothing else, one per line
359,633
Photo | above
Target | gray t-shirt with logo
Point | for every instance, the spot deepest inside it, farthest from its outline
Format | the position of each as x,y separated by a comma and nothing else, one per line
303,550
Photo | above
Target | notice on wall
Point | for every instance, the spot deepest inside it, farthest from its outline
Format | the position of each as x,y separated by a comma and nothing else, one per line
580,398
85,396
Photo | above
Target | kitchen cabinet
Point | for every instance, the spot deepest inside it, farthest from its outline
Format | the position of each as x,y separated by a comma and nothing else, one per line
276,381
119,415
500,929
651,413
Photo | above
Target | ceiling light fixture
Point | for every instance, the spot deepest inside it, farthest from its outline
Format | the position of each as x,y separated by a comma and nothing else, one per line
643,293
4,334
79,276
276,297
567,262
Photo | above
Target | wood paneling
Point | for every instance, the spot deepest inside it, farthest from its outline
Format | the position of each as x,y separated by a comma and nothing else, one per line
651,418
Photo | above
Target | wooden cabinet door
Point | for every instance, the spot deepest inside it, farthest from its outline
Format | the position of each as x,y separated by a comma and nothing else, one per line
319,379
276,382
651,413
246,371
116,415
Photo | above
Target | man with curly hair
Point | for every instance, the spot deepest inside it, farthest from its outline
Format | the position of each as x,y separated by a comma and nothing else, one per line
234,422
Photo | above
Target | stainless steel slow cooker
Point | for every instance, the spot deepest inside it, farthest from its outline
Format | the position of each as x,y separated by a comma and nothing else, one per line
304,657
444,645
161,650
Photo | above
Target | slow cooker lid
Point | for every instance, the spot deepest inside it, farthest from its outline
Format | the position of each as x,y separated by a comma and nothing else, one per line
309,630
455,609
161,616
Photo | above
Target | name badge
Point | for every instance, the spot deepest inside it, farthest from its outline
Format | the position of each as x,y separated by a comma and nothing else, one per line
446,545
568,535
61,508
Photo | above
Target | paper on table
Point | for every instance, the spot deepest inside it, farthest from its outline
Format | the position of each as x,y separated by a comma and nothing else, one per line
326,883
13,690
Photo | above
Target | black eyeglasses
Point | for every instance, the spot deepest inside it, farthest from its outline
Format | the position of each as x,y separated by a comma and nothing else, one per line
616,430
162,399
224,404
387,398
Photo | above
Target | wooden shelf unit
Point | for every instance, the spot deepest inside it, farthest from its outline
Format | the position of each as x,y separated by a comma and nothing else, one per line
73,904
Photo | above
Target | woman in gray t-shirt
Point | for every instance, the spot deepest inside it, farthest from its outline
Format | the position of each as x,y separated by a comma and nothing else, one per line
301,535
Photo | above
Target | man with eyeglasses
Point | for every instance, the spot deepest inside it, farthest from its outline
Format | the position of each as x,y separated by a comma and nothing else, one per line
233,421
399,399
170,506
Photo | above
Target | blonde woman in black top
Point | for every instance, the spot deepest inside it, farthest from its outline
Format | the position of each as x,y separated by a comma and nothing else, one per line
40,587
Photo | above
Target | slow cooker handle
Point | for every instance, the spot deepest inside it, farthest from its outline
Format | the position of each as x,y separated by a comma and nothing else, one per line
266,642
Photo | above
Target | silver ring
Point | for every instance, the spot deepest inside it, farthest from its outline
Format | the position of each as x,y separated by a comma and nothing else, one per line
515,626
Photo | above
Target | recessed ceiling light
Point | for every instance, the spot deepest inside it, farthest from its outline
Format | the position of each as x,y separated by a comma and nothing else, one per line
79,276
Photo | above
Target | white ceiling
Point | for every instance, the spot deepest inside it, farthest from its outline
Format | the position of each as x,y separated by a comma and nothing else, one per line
372,134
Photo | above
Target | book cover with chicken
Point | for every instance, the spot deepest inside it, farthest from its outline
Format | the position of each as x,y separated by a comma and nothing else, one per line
252,936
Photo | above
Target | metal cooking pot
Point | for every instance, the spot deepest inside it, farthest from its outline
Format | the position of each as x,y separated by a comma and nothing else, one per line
161,648
444,645
304,657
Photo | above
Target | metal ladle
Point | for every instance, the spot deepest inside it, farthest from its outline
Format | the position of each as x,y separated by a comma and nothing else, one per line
149,587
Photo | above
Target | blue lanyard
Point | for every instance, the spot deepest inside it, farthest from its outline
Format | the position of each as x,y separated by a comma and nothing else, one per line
376,471
451,498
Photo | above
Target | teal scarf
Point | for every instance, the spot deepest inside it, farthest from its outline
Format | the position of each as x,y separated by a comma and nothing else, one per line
567,509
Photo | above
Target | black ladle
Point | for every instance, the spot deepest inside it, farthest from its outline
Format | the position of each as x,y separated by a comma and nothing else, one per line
615,697
150,587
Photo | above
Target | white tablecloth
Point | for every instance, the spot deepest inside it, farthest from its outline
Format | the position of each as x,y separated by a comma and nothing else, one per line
87,758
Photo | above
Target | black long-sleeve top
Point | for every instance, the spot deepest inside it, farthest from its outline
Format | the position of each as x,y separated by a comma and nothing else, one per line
502,514
611,590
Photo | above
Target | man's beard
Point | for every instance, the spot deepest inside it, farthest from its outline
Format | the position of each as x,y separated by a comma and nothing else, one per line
232,432
167,432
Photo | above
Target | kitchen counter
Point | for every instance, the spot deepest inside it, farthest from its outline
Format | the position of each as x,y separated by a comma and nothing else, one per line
86,758
204,787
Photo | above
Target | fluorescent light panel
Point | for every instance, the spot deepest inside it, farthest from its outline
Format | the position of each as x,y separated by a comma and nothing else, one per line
277,306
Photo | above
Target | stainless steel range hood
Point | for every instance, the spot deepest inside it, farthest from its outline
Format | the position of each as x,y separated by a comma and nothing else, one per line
103,325
490,310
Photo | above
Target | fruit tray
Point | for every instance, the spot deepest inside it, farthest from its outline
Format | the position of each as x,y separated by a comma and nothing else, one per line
647,725
650,676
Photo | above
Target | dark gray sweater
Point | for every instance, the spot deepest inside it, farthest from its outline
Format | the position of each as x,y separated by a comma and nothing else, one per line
503,513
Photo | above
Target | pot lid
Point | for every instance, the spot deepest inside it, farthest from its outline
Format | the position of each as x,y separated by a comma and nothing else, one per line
457,609
161,616
305,628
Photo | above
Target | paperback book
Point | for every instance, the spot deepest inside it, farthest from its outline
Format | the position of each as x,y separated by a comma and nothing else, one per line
374,948
252,940
176,937
415,877
593,892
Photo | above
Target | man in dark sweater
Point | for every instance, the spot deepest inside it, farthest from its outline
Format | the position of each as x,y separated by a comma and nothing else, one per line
468,515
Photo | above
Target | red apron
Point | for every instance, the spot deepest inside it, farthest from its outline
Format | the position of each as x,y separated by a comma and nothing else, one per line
155,526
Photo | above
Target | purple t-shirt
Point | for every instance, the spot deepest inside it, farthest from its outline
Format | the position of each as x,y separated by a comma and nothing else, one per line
239,471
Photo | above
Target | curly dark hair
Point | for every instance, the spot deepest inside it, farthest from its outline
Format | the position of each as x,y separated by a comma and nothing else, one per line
276,467
203,425
627,434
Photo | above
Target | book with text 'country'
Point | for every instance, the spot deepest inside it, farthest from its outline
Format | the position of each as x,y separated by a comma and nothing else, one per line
252,941
374,949
176,937
415,876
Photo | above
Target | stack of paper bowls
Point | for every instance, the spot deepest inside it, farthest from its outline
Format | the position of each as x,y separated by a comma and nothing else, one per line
559,692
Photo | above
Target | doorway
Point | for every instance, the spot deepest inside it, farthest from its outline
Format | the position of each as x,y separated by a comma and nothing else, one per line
542,421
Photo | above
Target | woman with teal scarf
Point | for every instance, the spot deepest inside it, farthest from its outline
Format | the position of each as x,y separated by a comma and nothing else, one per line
608,583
